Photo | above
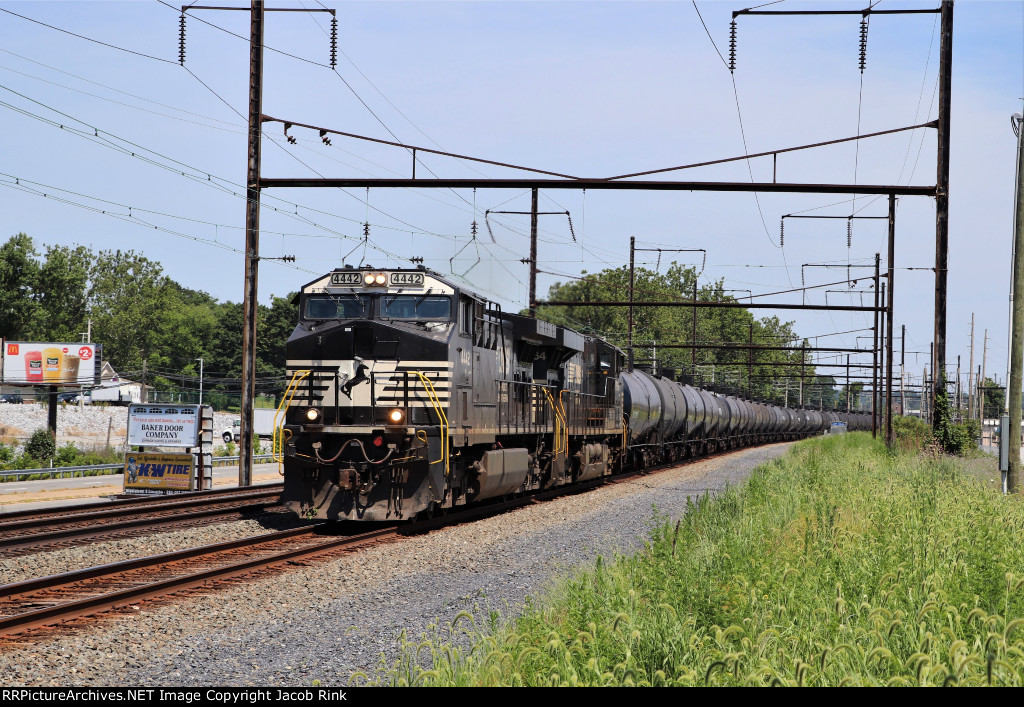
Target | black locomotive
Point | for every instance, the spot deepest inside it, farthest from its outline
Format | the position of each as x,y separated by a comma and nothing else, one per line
411,395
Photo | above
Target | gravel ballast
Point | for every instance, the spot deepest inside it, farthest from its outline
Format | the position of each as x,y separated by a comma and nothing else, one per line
329,619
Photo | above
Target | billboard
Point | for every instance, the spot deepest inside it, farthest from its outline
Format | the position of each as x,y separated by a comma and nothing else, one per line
152,473
163,425
48,363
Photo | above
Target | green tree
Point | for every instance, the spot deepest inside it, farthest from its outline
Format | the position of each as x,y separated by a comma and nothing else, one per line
276,324
19,274
666,332
995,398
127,300
61,291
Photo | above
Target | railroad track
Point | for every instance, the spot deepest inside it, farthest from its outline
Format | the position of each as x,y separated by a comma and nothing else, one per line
27,532
33,609
44,602
68,601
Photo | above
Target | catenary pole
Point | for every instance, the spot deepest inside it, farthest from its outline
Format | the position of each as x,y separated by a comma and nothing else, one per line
252,241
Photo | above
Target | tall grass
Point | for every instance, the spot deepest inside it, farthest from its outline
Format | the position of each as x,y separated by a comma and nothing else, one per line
840,564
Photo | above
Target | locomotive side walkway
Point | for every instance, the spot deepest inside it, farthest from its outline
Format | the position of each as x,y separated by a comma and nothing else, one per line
325,621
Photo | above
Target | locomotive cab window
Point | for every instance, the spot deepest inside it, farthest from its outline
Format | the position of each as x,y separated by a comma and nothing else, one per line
416,307
465,315
337,307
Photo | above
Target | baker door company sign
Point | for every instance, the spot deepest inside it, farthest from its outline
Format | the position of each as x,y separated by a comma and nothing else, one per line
163,425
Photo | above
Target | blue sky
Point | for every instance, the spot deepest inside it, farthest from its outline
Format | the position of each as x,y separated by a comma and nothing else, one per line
585,88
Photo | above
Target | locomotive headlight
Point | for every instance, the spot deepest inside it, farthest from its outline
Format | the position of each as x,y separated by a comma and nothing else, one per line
396,416
368,278
312,415
380,279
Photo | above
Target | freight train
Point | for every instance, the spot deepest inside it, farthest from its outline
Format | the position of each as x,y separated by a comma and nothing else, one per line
410,395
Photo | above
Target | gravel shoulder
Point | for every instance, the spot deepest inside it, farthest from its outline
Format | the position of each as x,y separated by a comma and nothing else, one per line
328,620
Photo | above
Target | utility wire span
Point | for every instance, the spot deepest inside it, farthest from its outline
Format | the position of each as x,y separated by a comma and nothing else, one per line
90,39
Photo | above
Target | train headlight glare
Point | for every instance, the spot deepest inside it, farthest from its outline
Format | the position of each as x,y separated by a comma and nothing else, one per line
312,415
395,416
368,278
380,279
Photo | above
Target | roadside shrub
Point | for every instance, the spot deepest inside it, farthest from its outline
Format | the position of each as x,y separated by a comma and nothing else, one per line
41,445
912,433
67,455
6,454
955,438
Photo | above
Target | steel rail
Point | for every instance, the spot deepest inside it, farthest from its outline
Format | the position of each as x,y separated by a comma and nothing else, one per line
38,542
84,607
147,501
134,509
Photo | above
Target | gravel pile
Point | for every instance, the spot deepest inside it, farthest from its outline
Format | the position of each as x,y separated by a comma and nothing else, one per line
86,425
330,619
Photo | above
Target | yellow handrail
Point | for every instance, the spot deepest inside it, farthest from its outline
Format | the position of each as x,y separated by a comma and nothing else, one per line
559,420
436,402
565,419
277,441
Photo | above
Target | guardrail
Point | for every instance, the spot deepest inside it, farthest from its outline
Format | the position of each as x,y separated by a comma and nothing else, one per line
60,472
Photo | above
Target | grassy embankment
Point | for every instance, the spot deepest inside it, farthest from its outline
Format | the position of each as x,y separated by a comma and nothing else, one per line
838,564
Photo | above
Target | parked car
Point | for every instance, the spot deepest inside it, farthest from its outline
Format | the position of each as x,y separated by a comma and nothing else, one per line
10,398
68,398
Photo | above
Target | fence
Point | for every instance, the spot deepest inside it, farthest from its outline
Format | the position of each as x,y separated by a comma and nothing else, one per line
61,472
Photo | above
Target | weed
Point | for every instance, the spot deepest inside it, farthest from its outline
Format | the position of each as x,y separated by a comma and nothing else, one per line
840,564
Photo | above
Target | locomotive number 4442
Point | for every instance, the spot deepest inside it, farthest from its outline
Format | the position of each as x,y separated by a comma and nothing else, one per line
407,279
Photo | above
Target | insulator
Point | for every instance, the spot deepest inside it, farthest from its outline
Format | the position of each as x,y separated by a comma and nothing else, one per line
782,232
366,230
323,136
571,231
472,229
863,44
334,42
849,233
181,39
732,46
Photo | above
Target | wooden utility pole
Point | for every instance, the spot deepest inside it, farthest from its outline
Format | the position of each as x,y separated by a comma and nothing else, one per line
1013,387
981,381
942,195
903,354
970,376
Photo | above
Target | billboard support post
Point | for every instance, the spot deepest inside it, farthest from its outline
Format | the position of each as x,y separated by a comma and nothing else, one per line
51,409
